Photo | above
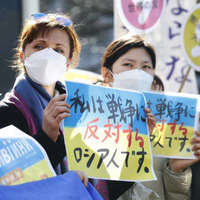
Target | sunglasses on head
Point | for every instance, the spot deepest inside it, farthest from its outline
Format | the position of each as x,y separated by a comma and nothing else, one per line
61,20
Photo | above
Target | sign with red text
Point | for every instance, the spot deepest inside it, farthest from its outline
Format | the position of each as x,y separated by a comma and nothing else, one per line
106,134
177,119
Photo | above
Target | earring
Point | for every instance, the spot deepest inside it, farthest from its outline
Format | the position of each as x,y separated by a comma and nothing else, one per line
21,56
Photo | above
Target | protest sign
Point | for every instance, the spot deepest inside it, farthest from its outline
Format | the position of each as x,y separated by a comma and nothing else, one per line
171,64
81,76
22,159
140,16
106,134
177,118
191,37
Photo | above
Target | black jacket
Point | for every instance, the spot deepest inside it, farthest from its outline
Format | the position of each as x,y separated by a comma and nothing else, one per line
9,114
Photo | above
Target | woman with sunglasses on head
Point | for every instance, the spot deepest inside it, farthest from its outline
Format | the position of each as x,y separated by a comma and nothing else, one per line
129,63
48,45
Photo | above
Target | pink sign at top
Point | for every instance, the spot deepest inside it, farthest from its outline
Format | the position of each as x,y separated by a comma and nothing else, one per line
140,15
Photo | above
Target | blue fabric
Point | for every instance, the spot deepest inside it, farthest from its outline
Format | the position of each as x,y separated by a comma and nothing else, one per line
34,95
62,187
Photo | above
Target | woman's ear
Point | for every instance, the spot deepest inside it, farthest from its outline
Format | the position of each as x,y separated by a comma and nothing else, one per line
21,56
106,74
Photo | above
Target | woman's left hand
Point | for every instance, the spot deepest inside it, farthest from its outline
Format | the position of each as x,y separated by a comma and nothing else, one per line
151,120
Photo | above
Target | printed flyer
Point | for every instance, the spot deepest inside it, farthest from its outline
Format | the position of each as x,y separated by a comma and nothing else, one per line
22,159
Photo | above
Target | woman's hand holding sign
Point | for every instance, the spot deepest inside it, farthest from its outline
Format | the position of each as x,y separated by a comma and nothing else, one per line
179,165
57,110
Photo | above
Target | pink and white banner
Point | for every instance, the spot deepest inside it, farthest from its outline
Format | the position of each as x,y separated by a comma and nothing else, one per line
164,35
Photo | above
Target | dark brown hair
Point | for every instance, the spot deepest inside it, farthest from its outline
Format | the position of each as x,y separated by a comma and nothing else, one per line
123,44
157,84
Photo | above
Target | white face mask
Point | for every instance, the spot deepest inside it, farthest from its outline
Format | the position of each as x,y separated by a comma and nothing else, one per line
133,80
46,66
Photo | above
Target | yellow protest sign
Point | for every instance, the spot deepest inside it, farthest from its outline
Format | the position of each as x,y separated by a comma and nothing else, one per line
82,76
106,134
176,117
191,37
